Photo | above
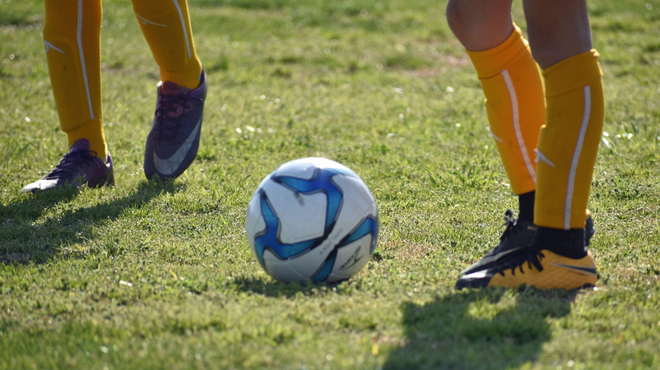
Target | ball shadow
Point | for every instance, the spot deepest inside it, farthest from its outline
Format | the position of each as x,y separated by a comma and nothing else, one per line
272,288
479,329
25,239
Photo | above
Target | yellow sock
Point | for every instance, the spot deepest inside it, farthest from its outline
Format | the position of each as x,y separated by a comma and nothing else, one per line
166,26
569,142
515,104
72,30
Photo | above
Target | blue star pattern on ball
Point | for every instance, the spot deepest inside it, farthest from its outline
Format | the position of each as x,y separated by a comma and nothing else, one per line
321,182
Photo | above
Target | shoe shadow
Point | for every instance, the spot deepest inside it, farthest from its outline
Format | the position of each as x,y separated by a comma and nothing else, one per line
479,329
24,238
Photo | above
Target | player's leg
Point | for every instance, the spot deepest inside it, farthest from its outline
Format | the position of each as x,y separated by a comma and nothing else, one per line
174,137
561,42
480,24
557,257
166,27
72,41
558,30
515,104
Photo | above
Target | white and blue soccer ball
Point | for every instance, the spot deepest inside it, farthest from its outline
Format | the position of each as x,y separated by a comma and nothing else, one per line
312,218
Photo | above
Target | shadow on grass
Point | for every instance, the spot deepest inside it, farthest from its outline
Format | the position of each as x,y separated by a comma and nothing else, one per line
479,329
273,288
25,239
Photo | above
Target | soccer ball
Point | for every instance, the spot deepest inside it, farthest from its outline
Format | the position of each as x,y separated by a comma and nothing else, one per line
312,218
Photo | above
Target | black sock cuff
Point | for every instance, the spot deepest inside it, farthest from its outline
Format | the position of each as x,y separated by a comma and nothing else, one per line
526,206
568,243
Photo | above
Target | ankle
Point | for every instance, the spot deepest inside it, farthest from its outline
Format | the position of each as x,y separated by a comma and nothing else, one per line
526,206
568,243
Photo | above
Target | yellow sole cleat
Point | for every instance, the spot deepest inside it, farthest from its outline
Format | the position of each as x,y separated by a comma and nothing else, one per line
542,269
518,234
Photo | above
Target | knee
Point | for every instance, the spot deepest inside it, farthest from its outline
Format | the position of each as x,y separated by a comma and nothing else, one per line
458,18
480,25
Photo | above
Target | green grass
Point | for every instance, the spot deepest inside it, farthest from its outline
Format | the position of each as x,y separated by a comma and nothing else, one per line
150,275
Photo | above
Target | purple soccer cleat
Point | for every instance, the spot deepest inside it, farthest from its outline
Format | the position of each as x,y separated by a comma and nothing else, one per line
174,137
78,167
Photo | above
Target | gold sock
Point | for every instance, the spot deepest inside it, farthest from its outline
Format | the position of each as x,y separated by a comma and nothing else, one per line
515,104
568,143
71,33
166,26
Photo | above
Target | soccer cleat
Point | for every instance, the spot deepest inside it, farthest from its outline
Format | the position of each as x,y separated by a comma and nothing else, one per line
518,234
173,140
78,167
543,269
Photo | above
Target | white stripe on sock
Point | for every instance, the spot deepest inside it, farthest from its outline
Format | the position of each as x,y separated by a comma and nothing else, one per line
145,21
541,157
51,46
183,25
495,136
516,123
82,58
576,157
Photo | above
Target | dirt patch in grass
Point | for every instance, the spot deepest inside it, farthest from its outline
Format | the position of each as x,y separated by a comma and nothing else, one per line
407,251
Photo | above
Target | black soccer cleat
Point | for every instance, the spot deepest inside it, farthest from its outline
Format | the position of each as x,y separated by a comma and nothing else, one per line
518,234
556,259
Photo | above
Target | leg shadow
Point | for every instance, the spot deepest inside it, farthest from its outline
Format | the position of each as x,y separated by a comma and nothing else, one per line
479,329
25,239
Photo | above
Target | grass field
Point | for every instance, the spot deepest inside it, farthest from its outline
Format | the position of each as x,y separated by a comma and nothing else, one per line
151,275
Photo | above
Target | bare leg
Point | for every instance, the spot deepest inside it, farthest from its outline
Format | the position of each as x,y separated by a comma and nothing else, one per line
557,29
480,24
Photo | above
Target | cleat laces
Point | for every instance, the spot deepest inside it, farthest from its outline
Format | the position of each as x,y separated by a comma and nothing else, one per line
169,113
510,223
530,255
66,169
